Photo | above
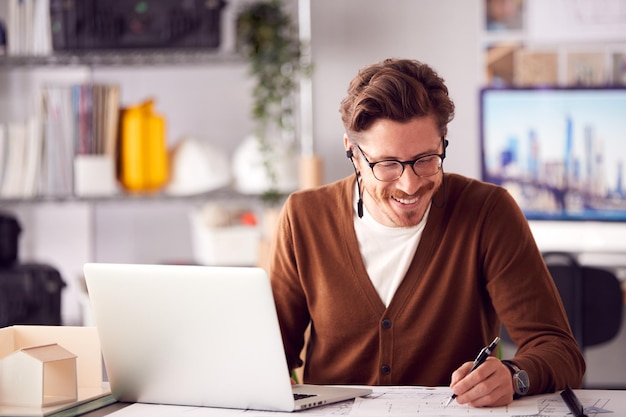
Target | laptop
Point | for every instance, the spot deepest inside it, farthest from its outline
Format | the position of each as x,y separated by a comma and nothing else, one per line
196,336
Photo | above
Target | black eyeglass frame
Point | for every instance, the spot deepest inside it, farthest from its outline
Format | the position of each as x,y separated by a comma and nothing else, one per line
411,163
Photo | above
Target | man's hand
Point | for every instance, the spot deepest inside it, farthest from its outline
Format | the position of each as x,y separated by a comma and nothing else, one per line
489,385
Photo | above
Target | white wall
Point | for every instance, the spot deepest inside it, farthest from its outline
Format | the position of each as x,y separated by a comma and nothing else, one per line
349,34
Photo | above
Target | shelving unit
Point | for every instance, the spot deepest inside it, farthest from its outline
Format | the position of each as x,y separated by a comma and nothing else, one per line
123,58
92,65
203,94
225,193
553,45
66,231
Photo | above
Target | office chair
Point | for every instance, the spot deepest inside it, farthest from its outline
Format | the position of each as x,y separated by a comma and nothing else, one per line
592,298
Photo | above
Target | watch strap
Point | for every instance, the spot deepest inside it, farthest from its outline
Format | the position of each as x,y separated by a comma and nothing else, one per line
512,367
515,372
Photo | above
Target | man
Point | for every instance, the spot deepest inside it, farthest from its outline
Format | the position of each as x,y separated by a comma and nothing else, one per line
405,272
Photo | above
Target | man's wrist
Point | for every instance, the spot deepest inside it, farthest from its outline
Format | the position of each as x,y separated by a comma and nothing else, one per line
521,382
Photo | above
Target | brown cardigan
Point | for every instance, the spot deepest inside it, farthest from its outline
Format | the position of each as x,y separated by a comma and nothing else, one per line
477,266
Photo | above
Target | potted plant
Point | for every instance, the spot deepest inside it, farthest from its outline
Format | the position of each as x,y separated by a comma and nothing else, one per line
268,40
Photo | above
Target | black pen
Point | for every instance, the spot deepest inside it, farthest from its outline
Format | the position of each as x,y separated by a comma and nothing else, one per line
482,357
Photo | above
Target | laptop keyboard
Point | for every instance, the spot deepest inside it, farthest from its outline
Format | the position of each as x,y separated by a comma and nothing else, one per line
301,396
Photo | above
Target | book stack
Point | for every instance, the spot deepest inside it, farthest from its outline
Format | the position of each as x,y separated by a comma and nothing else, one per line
20,155
37,157
28,27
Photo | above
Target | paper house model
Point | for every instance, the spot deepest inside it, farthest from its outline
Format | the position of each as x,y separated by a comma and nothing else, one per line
38,376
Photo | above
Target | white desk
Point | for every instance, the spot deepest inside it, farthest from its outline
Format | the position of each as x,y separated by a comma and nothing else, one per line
394,402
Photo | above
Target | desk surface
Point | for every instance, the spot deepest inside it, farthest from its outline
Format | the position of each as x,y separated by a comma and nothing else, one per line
398,402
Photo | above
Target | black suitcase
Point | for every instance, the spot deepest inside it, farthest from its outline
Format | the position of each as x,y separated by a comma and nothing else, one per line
9,239
30,294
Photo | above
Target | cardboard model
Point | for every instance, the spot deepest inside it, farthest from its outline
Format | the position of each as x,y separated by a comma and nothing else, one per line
38,376
48,365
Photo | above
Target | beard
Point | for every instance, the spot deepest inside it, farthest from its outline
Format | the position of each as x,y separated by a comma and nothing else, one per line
406,217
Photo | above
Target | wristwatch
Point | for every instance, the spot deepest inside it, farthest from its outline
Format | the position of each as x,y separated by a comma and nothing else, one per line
521,383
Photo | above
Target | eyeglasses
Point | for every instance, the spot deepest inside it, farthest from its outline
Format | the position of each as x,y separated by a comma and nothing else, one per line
392,169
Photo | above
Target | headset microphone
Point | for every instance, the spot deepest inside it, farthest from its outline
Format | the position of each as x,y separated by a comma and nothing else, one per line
359,204
443,176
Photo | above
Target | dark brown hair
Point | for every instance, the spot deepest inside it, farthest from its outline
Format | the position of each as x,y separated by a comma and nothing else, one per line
399,90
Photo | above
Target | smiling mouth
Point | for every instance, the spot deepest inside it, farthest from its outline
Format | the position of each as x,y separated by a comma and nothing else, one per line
406,201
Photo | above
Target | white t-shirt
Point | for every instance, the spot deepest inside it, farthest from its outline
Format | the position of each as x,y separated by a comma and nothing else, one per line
386,251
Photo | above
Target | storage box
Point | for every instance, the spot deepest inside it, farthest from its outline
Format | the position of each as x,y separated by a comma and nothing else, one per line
94,176
120,24
224,246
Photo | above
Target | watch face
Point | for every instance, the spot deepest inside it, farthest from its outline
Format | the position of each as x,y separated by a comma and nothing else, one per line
522,383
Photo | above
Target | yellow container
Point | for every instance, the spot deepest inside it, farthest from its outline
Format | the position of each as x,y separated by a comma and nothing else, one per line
143,151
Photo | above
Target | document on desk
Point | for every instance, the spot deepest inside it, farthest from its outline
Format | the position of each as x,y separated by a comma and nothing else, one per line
410,401
423,401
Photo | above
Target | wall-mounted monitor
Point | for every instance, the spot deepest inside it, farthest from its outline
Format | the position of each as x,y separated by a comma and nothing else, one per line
561,152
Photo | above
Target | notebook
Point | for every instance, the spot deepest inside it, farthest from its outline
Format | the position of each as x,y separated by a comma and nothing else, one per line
197,336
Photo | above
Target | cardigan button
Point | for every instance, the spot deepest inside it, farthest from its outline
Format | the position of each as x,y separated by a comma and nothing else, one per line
385,369
386,324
